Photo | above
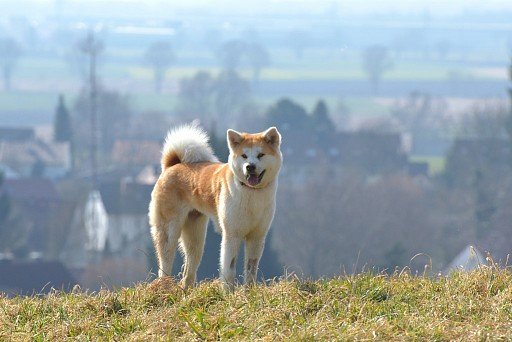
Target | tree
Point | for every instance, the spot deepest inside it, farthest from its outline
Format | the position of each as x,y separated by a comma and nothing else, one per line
485,121
195,98
62,122
114,114
288,116
297,40
214,101
330,224
258,59
160,56
376,61
231,92
10,52
230,54
422,115
323,124
218,144
342,114
149,125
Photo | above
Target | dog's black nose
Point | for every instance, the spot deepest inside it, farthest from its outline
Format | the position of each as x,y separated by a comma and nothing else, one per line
250,167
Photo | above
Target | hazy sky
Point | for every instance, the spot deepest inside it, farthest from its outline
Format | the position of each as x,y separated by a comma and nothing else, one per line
434,7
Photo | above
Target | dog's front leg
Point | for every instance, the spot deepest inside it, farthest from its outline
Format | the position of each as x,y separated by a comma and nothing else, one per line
253,250
228,254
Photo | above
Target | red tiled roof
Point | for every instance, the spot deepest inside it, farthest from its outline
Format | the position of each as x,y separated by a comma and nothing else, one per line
137,152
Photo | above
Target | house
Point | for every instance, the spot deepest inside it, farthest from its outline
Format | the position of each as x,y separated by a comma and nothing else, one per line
374,152
136,152
33,277
39,201
22,152
127,205
16,134
468,259
111,221
367,152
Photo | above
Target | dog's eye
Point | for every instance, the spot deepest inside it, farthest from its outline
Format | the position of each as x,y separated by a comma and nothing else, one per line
260,155
244,156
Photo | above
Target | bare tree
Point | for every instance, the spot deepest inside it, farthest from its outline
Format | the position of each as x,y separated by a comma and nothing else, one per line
422,115
298,40
231,92
114,114
376,61
488,120
10,53
258,59
195,99
149,125
230,54
329,223
160,56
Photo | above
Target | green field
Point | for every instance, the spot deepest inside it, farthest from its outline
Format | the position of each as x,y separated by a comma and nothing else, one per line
38,80
472,306
37,108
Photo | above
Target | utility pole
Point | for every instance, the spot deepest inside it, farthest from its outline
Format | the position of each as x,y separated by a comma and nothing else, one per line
91,47
95,222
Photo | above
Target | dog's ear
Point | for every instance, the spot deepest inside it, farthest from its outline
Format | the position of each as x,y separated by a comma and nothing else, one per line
234,138
272,137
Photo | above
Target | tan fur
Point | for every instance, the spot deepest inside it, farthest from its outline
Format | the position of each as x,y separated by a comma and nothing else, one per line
169,160
187,194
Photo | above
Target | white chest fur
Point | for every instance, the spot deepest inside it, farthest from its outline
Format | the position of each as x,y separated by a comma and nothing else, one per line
246,211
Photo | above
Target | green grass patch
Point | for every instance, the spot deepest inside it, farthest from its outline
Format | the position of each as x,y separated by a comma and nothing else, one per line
471,306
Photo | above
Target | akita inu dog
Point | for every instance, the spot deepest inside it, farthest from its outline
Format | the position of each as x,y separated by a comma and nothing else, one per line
239,196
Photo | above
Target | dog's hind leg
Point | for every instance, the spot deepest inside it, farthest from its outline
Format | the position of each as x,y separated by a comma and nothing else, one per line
228,254
165,235
193,236
253,250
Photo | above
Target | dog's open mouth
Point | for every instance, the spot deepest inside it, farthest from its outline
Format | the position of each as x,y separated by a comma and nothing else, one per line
254,179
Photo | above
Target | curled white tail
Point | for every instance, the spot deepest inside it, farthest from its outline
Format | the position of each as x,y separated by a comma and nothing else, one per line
186,144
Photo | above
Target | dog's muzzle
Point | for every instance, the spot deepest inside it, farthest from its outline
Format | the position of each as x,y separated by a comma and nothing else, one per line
253,179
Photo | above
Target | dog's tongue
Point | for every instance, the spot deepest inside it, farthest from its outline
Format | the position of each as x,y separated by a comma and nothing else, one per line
253,180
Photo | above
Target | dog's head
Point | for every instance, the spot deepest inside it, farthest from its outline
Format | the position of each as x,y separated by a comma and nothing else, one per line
255,159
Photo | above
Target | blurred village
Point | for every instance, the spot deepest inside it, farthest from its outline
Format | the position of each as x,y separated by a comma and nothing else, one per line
411,188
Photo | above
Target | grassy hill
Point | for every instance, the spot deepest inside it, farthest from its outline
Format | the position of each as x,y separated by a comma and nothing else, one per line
463,306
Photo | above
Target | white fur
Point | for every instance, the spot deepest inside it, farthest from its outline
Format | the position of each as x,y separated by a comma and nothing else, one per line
190,143
244,214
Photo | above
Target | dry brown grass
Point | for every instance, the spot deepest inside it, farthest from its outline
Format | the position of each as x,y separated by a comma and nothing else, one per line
463,306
